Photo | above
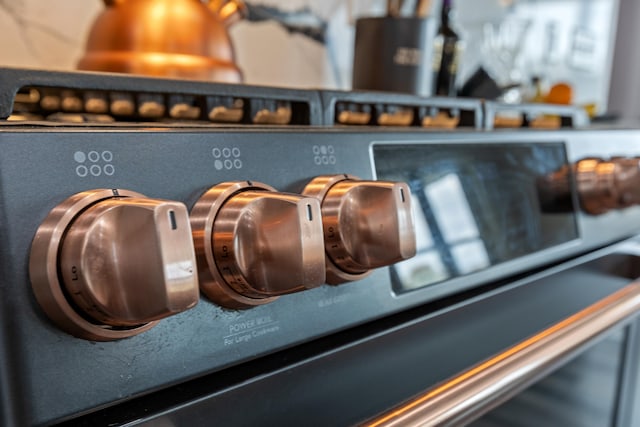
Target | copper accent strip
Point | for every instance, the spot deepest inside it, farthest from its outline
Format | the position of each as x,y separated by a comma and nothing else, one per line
281,116
546,121
353,118
472,393
442,120
402,117
224,114
508,122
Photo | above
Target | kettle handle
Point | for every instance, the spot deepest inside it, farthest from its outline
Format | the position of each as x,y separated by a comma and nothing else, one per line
228,11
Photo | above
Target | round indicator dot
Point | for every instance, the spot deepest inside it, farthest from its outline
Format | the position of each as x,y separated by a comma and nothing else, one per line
218,164
95,170
317,160
109,170
79,156
107,156
235,152
323,149
237,163
228,164
82,171
316,150
331,149
226,153
94,156
216,153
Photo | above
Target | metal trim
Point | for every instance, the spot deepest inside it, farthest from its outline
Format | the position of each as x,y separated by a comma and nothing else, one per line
491,382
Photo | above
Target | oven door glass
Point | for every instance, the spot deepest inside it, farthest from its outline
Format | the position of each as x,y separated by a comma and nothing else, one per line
583,393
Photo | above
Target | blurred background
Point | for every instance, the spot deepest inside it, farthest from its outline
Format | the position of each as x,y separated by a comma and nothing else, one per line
528,44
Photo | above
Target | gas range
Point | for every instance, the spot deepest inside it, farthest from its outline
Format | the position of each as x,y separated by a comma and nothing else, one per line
158,232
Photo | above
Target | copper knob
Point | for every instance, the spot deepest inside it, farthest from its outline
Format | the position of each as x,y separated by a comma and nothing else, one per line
605,185
254,244
106,264
367,224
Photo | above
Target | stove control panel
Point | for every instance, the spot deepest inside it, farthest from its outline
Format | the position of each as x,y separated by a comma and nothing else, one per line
367,224
254,244
259,261
107,264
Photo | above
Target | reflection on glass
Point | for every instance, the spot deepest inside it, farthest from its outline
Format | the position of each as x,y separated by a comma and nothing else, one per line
470,256
425,267
476,205
458,227
424,240
451,209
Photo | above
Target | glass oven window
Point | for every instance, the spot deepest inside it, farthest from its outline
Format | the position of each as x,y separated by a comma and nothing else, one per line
476,206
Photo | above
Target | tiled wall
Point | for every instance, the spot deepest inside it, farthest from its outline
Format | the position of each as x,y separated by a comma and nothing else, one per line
51,34
43,33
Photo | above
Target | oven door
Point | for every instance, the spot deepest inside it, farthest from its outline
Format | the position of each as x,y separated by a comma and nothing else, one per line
559,346
585,355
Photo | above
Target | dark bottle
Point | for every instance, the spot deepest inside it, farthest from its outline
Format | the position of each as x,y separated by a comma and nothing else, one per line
446,54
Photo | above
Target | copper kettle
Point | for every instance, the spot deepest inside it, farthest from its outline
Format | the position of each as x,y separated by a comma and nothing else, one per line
174,38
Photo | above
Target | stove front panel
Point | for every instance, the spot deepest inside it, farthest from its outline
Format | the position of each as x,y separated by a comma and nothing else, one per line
55,376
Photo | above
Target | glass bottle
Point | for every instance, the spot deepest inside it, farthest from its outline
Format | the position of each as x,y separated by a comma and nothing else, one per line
447,48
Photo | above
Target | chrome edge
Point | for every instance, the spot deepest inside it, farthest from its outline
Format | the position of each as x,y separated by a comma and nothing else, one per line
472,393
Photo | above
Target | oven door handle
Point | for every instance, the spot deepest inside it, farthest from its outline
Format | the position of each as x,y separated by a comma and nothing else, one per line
479,389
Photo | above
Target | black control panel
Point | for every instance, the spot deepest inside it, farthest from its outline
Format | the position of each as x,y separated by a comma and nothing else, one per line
55,375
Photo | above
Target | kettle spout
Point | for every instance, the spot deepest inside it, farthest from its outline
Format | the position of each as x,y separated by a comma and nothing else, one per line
228,11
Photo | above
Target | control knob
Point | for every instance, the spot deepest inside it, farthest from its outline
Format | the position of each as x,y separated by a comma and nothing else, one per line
254,244
605,185
107,264
366,224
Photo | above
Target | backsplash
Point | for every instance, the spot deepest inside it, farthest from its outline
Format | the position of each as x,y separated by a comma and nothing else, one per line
576,48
